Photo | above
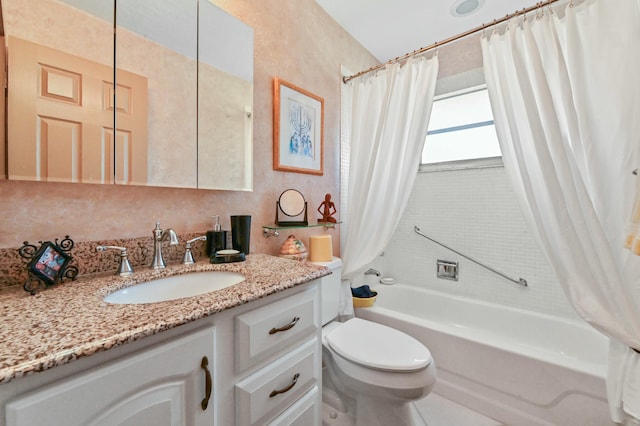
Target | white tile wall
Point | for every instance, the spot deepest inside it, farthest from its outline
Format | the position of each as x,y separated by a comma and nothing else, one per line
475,212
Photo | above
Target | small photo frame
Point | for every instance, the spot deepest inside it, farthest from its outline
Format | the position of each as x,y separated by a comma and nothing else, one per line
298,129
49,263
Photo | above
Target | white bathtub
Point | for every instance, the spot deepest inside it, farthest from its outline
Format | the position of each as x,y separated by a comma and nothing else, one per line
518,367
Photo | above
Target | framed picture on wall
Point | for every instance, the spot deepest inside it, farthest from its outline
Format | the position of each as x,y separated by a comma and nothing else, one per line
298,122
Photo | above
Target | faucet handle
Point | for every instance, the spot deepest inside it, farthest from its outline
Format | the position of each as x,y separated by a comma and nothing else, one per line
188,256
125,268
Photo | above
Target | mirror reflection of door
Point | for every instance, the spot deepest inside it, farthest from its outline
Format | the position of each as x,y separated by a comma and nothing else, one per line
56,111
60,109
157,39
67,31
131,141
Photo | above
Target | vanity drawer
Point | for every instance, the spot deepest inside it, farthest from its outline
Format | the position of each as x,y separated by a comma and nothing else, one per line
304,412
273,328
265,394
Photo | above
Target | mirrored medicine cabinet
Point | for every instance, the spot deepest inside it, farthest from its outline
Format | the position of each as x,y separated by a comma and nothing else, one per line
178,115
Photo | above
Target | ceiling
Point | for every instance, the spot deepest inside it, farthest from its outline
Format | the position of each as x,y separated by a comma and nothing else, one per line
392,28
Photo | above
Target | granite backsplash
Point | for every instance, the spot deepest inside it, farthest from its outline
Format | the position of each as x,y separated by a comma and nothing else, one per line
13,271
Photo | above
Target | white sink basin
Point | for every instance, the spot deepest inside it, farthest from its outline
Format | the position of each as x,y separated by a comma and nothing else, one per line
176,287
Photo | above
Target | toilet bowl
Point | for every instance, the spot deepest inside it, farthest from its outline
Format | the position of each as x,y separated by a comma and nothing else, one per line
378,371
375,371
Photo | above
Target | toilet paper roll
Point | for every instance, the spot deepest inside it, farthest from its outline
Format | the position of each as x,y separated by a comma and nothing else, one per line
320,248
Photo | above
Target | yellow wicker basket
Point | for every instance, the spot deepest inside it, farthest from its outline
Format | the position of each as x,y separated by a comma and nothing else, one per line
363,302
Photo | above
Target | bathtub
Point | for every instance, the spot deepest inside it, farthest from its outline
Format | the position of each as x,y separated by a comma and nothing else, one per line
517,367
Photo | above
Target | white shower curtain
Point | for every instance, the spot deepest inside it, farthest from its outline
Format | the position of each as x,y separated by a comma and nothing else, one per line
565,93
389,119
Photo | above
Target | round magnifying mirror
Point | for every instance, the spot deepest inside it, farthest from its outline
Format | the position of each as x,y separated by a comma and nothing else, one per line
291,202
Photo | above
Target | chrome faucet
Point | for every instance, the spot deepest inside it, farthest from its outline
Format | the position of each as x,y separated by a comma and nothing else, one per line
372,271
159,236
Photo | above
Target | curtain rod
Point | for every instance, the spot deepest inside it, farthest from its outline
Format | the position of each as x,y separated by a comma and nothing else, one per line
482,27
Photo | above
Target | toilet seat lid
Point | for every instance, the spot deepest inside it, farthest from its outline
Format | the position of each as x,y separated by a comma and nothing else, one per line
377,346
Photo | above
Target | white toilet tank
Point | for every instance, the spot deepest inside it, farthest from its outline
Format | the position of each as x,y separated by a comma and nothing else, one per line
330,289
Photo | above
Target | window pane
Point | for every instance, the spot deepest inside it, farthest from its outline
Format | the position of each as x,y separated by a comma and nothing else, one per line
461,128
463,109
478,142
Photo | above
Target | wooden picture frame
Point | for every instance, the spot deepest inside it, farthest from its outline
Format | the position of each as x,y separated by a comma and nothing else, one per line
298,129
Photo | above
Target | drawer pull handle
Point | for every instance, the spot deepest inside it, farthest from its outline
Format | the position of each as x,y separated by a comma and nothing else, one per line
207,376
286,327
287,389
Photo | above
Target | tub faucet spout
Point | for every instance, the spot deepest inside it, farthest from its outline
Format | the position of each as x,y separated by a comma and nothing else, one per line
372,271
159,236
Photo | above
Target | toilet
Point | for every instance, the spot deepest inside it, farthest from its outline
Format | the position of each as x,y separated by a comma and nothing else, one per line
371,373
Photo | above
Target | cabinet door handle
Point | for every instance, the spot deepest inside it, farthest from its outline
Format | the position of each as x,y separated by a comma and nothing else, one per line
287,389
207,376
286,327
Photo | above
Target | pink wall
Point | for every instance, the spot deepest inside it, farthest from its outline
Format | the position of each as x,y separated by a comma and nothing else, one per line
295,41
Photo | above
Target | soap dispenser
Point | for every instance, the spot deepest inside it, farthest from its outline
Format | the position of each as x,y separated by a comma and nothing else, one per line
216,238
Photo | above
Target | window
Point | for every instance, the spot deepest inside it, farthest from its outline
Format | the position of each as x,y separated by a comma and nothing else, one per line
461,128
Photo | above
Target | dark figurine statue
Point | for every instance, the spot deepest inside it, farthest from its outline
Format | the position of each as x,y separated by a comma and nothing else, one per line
327,209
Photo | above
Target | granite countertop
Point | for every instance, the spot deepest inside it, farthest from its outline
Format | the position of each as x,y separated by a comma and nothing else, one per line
70,320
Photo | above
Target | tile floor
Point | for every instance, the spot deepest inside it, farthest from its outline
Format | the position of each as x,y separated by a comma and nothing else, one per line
439,411
434,409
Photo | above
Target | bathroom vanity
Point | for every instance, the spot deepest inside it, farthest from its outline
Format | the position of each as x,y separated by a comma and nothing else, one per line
247,354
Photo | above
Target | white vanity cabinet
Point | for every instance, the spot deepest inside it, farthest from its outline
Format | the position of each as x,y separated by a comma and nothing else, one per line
285,334
165,384
263,367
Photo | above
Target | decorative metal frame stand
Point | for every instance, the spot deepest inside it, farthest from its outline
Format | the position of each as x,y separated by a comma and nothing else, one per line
48,264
